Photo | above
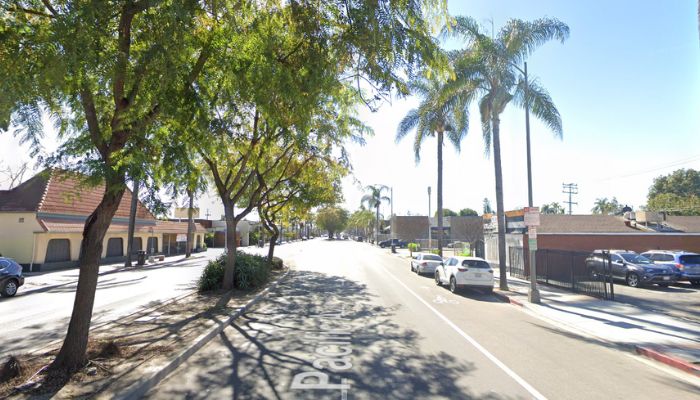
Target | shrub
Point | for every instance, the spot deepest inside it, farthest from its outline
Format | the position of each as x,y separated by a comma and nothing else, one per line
466,252
251,271
435,251
213,274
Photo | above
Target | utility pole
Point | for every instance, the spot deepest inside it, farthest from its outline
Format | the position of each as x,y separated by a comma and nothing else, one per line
207,215
570,189
527,138
392,202
430,234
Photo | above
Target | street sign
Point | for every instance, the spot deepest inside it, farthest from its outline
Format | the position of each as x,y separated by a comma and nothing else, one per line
181,237
532,216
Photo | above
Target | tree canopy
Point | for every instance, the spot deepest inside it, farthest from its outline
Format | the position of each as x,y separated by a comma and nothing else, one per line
552,208
332,219
677,193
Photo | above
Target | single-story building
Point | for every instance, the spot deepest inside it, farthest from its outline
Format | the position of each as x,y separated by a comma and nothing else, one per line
415,228
42,220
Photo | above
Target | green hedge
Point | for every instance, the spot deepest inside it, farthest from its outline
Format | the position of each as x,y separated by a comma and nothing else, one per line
251,271
413,247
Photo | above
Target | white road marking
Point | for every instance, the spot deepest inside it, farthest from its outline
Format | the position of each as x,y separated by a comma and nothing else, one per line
441,300
482,350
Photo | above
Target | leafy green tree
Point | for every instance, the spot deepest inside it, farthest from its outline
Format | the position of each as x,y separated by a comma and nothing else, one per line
607,207
374,199
681,183
332,219
438,115
468,212
552,208
488,71
446,212
673,204
106,72
362,220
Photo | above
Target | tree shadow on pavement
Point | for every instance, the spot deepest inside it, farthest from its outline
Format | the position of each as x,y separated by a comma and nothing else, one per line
280,338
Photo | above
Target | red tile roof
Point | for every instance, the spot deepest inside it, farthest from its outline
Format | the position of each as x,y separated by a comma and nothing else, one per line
58,192
61,225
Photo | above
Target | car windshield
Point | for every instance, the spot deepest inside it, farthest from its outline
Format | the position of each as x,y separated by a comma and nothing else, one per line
476,264
432,257
690,259
635,258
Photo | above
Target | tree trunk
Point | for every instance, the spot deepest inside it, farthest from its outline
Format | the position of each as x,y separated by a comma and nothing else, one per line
190,225
230,270
500,211
439,191
72,355
275,233
132,222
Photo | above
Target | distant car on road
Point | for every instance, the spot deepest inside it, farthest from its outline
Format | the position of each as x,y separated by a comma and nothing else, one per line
686,264
10,277
425,263
463,272
395,242
635,269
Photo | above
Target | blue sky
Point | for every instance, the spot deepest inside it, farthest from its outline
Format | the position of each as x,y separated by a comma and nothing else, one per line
627,84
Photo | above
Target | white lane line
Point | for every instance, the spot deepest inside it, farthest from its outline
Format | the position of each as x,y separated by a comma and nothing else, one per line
508,371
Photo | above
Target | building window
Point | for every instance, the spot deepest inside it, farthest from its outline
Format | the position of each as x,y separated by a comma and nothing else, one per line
21,220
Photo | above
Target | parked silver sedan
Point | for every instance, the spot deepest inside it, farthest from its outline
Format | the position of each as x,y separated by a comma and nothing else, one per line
425,263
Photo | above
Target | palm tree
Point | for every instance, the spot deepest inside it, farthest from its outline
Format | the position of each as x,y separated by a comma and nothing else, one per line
438,114
374,199
489,69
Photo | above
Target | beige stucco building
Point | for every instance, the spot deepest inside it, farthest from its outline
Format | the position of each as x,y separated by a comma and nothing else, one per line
41,223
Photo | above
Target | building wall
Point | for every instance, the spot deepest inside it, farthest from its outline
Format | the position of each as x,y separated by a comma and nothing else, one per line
42,243
491,246
468,229
16,237
635,242
409,228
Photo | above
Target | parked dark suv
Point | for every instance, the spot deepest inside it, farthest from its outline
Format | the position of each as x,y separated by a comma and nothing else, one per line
10,277
686,264
394,242
634,269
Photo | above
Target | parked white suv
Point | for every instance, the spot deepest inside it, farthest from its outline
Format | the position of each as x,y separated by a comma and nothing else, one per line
425,263
462,272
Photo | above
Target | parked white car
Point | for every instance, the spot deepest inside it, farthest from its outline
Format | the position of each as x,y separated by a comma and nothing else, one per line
463,272
425,263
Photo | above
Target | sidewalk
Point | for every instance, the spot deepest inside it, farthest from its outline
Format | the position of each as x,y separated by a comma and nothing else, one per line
39,282
670,340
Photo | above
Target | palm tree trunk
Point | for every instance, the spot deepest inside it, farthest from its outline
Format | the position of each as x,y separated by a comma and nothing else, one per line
500,212
376,227
439,190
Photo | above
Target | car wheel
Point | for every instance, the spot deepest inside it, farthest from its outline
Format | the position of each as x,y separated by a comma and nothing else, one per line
437,279
632,279
453,285
411,267
418,269
695,282
9,289
663,284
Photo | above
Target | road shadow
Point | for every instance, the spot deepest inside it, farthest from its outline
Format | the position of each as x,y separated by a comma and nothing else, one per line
281,337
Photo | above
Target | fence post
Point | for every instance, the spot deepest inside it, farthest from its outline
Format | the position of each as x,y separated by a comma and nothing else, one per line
571,269
612,281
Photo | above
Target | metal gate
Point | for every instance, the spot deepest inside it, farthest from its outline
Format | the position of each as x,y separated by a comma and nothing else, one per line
152,244
516,266
579,272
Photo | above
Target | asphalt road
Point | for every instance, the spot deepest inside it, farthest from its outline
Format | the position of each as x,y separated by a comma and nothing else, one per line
34,319
351,321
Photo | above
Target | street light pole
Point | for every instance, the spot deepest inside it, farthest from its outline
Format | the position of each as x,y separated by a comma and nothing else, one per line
527,138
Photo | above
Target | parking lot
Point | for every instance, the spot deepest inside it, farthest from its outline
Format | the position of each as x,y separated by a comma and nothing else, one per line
680,300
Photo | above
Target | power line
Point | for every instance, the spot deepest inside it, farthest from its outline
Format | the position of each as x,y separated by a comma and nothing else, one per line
570,189
657,168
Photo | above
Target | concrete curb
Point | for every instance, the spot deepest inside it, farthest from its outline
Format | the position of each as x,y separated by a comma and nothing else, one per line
139,389
668,360
508,299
